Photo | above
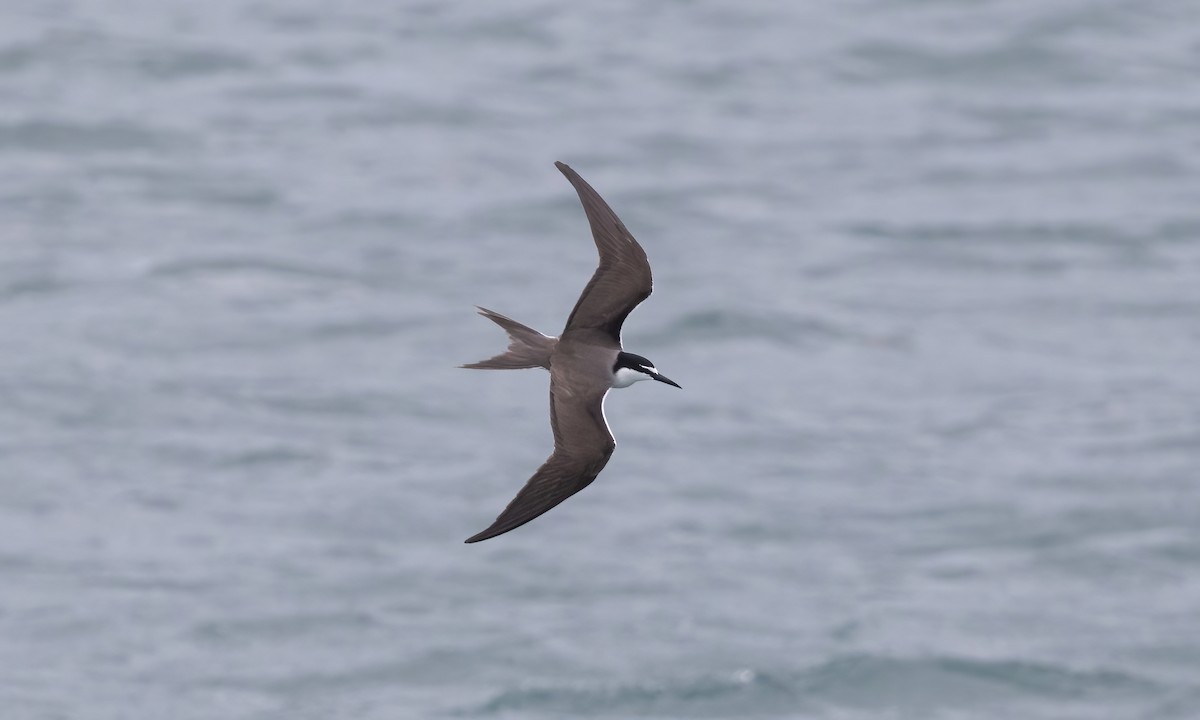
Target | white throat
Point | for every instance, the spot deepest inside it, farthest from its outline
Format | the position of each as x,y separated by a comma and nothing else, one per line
624,377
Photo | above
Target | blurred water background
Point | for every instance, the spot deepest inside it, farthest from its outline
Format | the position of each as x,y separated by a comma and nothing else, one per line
928,272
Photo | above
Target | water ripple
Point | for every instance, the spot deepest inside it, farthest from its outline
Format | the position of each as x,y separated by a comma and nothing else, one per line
871,683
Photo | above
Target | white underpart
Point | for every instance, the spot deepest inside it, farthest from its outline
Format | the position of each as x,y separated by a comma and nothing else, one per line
624,377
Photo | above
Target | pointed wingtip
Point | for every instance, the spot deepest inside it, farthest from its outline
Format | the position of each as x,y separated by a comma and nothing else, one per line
477,537
491,531
565,169
499,528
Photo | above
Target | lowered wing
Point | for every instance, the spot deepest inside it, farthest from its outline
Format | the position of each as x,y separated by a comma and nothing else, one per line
582,447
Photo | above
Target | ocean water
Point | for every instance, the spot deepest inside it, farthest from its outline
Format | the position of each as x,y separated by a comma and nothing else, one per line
928,272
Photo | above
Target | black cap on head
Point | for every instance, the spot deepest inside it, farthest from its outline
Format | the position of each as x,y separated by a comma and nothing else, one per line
631,361
642,365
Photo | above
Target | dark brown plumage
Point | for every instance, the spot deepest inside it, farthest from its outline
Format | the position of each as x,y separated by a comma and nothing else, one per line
622,280
581,364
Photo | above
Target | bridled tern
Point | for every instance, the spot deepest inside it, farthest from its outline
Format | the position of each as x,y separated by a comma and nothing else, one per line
584,362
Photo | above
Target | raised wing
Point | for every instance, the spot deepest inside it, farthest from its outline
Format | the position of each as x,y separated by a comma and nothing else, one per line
622,280
582,447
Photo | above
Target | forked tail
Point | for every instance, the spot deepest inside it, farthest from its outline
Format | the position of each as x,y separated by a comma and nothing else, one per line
527,348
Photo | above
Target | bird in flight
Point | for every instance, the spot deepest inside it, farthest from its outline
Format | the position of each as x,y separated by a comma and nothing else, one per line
585,361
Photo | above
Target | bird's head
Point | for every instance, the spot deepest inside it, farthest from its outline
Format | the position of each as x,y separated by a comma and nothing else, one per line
630,368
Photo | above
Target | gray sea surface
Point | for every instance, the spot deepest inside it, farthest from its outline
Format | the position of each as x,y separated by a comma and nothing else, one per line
927,271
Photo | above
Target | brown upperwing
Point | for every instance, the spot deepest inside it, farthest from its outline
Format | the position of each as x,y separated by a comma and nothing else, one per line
582,446
622,280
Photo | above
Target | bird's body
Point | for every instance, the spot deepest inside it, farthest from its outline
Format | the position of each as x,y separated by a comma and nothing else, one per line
585,361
